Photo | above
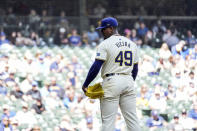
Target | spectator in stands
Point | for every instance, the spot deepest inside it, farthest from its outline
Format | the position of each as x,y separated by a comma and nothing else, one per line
193,52
75,66
158,29
141,11
186,121
178,79
134,38
166,35
190,39
34,19
144,90
181,94
45,91
14,124
25,116
89,123
179,49
55,65
38,106
142,30
157,101
66,123
61,37
99,10
35,38
89,106
191,78
79,107
175,124
170,93
3,39
52,101
155,121
3,88
21,40
170,38
5,125
74,39
193,114
45,20
34,93
148,39
71,78
93,36
13,38
161,65
146,65
41,65
26,84
84,39
127,33
142,102
7,112
16,93
70,99
164,51
10,80
191,91
63,21
55,87
11,17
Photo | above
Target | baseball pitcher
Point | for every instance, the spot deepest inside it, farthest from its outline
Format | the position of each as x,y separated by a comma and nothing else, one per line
118,58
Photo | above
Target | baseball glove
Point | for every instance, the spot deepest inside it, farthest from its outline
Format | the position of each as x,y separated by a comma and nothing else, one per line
95,91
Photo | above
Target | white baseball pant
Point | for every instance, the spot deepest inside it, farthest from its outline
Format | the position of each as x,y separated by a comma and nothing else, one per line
119,91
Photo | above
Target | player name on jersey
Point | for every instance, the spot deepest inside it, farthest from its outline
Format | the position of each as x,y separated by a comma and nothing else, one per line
122,43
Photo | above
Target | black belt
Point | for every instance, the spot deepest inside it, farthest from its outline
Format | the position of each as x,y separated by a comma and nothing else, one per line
112,74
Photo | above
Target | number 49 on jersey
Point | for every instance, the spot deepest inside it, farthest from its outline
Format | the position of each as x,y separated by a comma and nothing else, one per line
124,57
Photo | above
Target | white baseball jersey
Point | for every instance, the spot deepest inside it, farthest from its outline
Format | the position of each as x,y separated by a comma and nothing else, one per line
119,54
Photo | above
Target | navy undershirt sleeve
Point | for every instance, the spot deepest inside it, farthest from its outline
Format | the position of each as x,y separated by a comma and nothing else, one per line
135,71
94,70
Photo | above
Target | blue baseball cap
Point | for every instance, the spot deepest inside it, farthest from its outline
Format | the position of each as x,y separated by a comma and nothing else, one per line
34,83
154,113
108,22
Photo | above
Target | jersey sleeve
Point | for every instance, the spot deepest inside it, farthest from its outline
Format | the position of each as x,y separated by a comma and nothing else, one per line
101,52
136,58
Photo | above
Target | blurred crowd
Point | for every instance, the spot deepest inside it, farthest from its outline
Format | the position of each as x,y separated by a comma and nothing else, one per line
39,29
24,96
175,92
125,7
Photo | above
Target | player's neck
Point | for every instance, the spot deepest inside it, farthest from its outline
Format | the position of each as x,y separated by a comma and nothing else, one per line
115,33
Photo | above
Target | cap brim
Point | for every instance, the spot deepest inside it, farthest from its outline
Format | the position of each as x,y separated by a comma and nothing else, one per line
98,28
